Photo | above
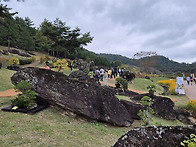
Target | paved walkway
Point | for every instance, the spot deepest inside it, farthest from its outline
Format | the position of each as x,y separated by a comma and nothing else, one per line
190,90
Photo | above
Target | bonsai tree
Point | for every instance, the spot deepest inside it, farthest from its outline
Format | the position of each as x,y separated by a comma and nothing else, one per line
146,111
152,89
27,98
121,83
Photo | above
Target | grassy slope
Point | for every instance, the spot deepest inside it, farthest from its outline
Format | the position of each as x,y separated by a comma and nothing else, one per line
5,82
140,84
52,128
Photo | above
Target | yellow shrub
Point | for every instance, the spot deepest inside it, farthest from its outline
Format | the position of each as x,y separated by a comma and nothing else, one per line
14,61
33,58
61,64
191,104
152,75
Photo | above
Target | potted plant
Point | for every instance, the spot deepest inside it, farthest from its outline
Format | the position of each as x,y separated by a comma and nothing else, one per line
152,89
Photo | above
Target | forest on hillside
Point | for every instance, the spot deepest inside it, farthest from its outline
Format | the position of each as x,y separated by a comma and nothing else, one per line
54,38
158,62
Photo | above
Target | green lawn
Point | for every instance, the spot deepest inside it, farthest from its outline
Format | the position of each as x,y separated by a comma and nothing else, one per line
53,128
5,82
140,84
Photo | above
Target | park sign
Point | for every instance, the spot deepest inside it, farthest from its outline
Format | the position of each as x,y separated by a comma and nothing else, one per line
180,85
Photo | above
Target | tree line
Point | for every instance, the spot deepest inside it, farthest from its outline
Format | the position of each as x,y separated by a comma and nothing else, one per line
55,38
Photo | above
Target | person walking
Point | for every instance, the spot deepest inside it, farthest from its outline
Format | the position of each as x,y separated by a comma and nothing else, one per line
101,73
191,79
47,65
105,77
195,80
109,73
97,74
120,72
188,80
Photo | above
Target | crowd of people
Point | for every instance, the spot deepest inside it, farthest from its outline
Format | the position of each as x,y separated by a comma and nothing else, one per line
104,74
191,79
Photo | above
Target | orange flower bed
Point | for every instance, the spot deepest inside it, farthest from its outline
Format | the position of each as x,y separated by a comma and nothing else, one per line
170,83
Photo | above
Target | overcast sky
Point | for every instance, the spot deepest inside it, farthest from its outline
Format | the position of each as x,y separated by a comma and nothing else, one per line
124,27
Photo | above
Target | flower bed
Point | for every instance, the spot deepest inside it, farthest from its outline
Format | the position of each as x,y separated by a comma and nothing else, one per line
171,84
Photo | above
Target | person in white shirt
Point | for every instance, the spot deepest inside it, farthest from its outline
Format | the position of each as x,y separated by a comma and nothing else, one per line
101,74
105,77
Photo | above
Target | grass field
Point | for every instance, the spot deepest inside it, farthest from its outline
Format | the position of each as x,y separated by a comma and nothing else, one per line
5,81
52,128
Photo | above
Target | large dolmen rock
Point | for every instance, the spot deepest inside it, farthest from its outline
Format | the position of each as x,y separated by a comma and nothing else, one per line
86,99
162,106
155,137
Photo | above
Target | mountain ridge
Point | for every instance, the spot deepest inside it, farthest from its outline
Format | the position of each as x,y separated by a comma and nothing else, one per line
161,63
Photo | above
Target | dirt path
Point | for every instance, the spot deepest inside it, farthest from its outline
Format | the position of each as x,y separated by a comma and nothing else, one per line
34,64
112,85
190,90
8,93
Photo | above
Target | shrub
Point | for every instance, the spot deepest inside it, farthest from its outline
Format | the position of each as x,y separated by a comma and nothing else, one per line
50,63
61,64
26,61
14,61
191,142
42,59
151,88
3,60
172,92
46,58
122,83
33,58
191,106
27,98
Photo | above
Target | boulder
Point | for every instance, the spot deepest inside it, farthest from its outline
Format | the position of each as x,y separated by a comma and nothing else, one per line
132,108
86,99
162,106
82,76
183,116
24,54
5,52
31,53
13,51
16,68
155,136
128,76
